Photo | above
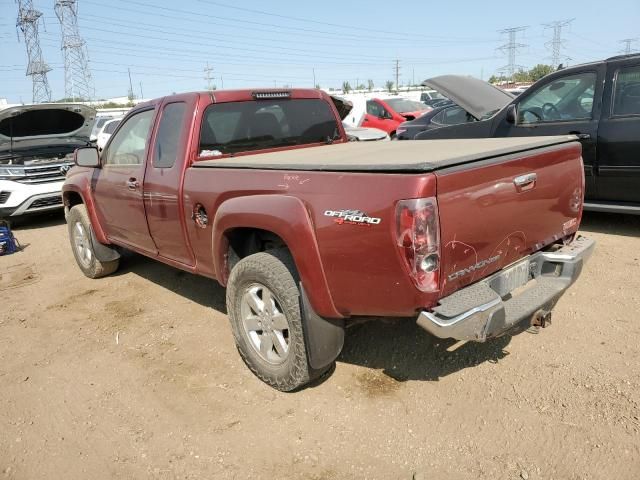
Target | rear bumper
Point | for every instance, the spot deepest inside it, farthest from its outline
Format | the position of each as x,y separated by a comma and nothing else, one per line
478,311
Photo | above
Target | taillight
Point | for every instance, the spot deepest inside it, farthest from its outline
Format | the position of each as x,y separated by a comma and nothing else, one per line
418,238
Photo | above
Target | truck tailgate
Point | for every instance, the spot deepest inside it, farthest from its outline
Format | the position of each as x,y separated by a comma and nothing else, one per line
494,212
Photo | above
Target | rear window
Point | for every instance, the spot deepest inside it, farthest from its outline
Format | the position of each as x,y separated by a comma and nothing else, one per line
41,122
111,127
255,125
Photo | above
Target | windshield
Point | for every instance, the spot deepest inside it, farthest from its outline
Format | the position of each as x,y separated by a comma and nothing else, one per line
402,105
244,126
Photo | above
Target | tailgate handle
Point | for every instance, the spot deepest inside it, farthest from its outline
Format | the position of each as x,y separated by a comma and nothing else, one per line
525,182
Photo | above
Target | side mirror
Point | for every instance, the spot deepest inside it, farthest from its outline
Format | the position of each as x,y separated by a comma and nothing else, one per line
512,114
87,157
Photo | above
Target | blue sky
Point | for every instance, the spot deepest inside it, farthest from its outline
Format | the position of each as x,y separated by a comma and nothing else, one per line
249,43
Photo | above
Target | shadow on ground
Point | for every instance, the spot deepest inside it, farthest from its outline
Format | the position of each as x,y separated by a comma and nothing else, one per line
403,351
40,220
201,290
611,223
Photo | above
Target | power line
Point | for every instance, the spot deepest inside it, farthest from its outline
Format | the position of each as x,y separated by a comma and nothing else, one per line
511,48
557,43
78,83
37,69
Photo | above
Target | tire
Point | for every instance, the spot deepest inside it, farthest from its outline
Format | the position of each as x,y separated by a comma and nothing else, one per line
79,227
274,271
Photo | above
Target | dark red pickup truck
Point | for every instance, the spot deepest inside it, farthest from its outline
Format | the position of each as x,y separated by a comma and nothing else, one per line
261,191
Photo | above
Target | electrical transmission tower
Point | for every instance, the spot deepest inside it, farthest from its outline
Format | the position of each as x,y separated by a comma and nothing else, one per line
78,84
208,76
557,43
37,69
628,45
511,48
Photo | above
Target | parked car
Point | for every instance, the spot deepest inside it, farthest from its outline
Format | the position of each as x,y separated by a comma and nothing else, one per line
431,98
262,191
36,150
386,114
449,114
106,131
599,102
364,134
100,120
361,134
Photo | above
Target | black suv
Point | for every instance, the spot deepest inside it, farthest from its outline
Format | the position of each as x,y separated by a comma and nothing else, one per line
599,102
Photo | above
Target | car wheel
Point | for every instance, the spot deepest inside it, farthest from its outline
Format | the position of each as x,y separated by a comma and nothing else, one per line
263,301
79,227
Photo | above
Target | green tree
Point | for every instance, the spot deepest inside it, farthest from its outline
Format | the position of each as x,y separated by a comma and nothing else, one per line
389,85
370,85
317,86
539,71
346,87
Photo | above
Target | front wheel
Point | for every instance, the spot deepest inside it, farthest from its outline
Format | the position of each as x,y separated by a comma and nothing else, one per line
263,302
79,227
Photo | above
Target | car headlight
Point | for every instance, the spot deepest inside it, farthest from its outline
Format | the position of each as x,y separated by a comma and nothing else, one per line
11,172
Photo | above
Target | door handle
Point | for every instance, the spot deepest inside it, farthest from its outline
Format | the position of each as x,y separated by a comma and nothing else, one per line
526,181
581,136
132,184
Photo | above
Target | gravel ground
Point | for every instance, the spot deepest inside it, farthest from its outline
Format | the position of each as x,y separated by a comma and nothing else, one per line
136,376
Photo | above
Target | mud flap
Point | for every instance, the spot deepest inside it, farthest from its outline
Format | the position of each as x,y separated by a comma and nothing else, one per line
104,253
324,338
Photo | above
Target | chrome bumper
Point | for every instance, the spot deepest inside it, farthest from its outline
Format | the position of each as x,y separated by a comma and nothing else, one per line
478,311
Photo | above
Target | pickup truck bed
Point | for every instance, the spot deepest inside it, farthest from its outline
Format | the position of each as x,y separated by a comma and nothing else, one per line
392,157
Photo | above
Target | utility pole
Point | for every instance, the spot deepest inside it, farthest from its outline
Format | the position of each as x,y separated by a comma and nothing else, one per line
314,77
397,73
141,94
77,77
628,42
131,97
37,69
208,76
557,43
511,48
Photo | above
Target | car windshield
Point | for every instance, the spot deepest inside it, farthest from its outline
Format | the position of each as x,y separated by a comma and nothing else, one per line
233,127
402,105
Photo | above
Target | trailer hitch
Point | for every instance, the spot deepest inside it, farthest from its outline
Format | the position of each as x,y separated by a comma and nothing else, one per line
541,319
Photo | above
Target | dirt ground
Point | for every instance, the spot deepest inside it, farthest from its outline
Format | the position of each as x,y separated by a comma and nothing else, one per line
136,376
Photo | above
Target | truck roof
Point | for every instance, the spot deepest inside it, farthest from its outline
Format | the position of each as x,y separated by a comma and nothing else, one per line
401,156
246,94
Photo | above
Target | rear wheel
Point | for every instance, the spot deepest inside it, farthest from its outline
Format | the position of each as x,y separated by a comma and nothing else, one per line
263,302
79,227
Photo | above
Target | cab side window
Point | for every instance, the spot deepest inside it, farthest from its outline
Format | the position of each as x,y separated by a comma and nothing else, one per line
168,136
564,99
129,145
374,108
626,99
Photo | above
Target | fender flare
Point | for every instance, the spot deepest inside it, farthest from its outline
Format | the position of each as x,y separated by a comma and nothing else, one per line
288,218
85,194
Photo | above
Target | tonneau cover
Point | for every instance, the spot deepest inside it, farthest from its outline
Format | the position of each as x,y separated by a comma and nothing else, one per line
398,156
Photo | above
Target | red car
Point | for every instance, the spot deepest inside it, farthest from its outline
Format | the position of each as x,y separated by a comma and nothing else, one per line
263,192
387,114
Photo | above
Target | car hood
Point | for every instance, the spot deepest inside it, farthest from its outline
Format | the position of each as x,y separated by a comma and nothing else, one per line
477,97
343,106
36,125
